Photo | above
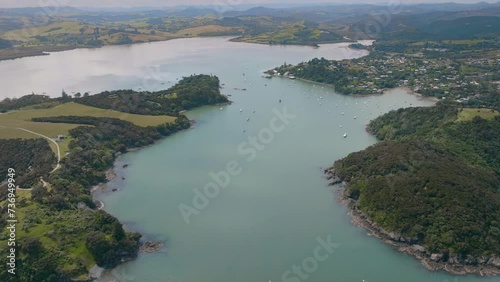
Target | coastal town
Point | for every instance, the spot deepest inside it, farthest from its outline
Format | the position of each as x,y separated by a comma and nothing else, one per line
435,76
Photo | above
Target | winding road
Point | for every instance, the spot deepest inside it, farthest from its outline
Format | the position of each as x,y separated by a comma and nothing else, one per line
46,137
51,140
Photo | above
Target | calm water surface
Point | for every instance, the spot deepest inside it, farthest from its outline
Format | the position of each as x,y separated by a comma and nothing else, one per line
271,215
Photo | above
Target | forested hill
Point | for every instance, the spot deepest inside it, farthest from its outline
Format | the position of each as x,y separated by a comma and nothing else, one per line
476,140
433,181
188,93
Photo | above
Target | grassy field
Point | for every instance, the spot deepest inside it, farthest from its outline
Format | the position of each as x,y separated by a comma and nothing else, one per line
469,114
13,133
75,109
200,30
454,42
22,119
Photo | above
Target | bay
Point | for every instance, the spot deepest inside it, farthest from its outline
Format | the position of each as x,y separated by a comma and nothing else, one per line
277,210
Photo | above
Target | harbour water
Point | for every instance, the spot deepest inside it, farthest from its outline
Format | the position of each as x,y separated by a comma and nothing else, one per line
267,214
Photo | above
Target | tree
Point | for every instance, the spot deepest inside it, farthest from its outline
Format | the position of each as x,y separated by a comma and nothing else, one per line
38,193
57,202
64,95
78,95
118,232
99,247
32,246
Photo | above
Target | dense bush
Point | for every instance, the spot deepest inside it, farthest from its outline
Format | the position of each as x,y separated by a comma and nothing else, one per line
428,195
434,180
189,93
31,158
9,104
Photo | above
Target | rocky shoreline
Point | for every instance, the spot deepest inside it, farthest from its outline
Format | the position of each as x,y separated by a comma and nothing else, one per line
432,261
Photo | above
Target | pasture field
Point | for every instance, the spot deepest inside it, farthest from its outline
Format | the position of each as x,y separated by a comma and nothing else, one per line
468,114
12,121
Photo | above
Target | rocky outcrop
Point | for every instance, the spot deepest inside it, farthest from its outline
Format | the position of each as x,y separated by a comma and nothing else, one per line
110,174
151,247
332,177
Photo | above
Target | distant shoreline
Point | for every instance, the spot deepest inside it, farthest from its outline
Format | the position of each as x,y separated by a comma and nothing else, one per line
36,51
403,88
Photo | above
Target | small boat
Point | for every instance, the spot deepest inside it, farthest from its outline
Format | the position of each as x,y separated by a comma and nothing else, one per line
345,135
355,117
241,110
248,119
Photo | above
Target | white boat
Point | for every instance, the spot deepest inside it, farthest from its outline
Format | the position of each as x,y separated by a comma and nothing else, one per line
345,135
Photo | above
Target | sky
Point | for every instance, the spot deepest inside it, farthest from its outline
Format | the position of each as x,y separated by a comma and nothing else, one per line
135,3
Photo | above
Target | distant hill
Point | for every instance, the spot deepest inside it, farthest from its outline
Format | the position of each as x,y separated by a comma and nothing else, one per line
260,11
432,26
477,26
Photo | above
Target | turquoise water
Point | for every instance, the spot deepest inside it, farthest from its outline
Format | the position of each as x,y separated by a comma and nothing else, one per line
276,210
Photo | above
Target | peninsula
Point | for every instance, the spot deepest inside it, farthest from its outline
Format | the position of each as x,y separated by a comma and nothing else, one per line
62,234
